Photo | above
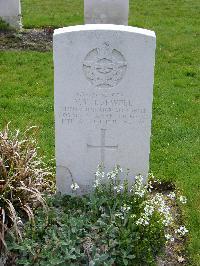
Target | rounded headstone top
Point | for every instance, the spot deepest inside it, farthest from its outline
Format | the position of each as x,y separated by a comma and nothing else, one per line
105,27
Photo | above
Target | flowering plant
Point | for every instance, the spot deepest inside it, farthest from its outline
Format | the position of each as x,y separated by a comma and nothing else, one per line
138,199
119,223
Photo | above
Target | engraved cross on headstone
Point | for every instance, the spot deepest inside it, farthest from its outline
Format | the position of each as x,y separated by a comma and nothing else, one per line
103,146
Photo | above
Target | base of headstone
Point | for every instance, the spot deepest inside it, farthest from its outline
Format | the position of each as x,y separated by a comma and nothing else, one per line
10,12
14,22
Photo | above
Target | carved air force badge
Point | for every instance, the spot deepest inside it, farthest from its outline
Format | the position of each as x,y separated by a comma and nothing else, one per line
104,66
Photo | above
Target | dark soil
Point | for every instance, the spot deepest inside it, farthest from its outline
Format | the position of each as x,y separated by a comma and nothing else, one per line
174,253
34,39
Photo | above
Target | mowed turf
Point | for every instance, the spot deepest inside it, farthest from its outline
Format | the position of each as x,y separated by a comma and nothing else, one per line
53,13
26,94
26,90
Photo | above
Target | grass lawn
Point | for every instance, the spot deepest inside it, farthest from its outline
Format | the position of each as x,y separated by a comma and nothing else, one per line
26,95
54,13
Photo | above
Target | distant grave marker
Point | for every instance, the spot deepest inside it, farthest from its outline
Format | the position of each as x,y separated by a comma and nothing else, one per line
106,11
10,11
103,101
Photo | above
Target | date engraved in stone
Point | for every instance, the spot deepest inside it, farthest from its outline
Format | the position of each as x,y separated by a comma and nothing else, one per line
103,109
104,66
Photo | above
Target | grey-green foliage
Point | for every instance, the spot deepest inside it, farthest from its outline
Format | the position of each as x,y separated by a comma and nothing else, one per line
100,229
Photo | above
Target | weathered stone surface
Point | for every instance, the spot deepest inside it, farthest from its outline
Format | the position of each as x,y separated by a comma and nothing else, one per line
103,101
10,11
106,11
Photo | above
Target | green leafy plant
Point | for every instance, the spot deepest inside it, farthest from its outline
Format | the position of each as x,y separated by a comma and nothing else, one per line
4,25
23,178
119,223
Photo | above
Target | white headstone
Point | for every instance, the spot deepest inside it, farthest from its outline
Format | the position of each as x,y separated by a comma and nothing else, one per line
10,11
106,11
103,101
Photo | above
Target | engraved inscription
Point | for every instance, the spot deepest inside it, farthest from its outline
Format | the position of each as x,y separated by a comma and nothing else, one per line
104,67
103,110
103,146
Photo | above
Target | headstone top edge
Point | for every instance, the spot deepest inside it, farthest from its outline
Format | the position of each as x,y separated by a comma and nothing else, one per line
108,27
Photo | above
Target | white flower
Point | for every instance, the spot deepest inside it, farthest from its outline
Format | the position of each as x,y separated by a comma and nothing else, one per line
160,205
140,193
111,175
167,220
149,186
74,186
151,176
139,188
97,183
118,189
125,208
164,209
181,259
148,212
171,195
143,221
139,178
181,231
148,209
99,172
169,237
183,199
118,169
119,215
140,221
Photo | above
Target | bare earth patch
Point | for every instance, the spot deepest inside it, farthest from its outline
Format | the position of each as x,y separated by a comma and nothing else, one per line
33,39
174,253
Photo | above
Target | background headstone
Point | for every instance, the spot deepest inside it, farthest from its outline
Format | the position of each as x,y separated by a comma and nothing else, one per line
106,11
10,11
103,101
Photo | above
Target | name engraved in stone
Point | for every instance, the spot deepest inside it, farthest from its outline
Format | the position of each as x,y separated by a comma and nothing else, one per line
103,109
